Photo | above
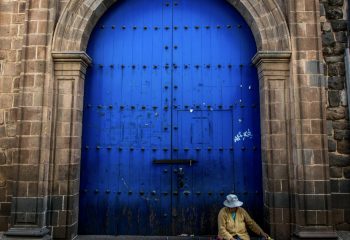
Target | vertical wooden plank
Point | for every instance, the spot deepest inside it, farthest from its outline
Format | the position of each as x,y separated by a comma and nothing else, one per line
215,47
126,127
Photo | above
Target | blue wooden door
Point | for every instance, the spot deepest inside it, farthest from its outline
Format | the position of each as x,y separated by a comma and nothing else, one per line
171,119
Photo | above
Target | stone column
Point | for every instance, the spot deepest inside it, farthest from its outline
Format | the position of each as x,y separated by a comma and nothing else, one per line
29,169
273,71
47,181
294,143
347,69
69,70
310,180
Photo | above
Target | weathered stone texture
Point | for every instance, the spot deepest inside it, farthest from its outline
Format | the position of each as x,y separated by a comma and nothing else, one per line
334,40
12,15
295,109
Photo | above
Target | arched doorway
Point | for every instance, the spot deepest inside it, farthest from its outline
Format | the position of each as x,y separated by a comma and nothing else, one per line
171,119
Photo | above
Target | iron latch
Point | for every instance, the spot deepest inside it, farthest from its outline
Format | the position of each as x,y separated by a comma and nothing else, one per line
175,161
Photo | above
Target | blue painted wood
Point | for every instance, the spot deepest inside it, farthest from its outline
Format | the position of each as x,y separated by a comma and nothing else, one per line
170,80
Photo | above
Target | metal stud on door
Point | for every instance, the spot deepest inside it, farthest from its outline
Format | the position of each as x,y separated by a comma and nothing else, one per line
169,122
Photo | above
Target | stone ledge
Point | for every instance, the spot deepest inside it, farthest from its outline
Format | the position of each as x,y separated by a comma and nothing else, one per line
271,56
26,233
310,235
101,237
69,57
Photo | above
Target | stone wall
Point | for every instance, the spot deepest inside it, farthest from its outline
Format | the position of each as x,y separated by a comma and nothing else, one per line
12,15
26,28
334,38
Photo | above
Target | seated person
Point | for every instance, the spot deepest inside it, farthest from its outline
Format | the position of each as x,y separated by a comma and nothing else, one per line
233,219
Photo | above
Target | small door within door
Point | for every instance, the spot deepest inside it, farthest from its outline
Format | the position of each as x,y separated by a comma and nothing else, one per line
171,119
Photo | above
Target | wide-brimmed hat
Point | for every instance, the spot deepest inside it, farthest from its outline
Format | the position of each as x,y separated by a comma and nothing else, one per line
232,201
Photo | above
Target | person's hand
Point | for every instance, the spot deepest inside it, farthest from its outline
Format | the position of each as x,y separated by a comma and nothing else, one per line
265,235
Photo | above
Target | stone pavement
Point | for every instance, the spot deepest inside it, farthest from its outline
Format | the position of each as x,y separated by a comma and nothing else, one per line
143,238
343,235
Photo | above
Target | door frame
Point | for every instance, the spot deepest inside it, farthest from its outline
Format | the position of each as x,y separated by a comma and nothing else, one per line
273,71
272,60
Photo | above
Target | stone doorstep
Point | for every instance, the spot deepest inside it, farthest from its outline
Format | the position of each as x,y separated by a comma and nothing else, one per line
342,235
3,237
92,237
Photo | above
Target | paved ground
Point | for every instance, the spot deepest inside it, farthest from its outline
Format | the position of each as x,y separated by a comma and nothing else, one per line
147,238
142,238
343,235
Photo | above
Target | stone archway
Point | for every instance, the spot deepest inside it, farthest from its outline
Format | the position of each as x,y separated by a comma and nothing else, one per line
266,20
273,61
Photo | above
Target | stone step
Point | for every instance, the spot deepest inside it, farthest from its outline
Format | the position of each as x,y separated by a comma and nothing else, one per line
94,237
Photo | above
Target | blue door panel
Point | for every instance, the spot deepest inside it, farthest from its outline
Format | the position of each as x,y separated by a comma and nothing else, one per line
171,119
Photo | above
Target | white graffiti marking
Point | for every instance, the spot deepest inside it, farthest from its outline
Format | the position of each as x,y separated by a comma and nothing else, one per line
243,136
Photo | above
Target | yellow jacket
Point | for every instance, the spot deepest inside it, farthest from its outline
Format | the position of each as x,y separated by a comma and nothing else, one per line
228,228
